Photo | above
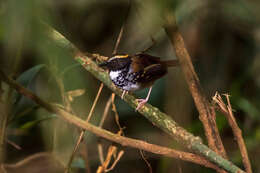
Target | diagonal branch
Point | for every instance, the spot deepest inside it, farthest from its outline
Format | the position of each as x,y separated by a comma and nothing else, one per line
82,133
227,111
206,111
158,118
156,149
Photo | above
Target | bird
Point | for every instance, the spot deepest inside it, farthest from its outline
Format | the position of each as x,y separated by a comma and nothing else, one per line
136,72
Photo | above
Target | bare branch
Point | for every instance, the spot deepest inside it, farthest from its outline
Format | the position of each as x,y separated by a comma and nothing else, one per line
146,161
16,146
105,113
119,155
227,110
115,111
121,30
83,131
112,151
206,111
161,120
124,140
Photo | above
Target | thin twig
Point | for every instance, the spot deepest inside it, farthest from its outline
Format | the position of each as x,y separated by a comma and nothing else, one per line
158,118
146,161
111,99
121,31
239,137
105,113
118,40
116,113
95,102
65,102
84,154
119,155
65,99
100,153
33,160
206,111
112,151
83,131
13,144
151,46
227,110
121,139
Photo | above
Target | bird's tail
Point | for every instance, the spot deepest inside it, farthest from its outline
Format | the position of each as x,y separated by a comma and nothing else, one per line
171,63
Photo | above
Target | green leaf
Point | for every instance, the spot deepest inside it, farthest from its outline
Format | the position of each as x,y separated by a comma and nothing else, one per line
31,124
26,79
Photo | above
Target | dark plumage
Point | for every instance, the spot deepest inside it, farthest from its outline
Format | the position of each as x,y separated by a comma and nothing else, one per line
136,72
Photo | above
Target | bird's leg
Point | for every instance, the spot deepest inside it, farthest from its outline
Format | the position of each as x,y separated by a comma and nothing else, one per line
123,94
143,101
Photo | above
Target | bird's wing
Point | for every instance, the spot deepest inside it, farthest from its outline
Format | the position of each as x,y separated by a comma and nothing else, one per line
151,73
142,61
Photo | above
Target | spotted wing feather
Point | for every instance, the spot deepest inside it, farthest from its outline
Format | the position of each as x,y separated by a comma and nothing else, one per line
151,73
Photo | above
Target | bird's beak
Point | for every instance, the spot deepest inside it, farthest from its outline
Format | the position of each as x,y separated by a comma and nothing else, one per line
104,64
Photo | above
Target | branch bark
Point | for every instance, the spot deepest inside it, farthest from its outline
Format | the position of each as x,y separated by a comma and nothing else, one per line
153,114
156,149
157,118
227,111
206,111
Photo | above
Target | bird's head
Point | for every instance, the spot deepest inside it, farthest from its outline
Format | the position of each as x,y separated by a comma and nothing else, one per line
117,62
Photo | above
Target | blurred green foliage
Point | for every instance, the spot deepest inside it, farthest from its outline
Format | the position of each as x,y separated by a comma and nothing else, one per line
222,37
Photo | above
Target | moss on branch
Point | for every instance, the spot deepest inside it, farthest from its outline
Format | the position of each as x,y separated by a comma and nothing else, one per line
153,114
158,118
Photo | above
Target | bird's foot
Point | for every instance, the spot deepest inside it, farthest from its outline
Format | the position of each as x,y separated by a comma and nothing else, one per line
123,94
141,103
